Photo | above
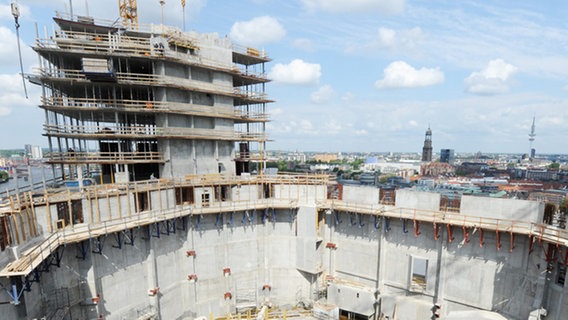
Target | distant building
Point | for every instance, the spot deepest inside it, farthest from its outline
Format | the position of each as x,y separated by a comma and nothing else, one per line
36,152
435,169
28,149
427,149
541,175
325,157
447,156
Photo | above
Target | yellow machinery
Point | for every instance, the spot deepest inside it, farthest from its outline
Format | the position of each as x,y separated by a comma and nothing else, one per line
129,13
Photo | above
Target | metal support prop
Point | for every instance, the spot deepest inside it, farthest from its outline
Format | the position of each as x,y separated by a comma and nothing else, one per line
82,248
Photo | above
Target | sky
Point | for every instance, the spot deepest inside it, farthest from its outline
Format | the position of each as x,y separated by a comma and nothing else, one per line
357,75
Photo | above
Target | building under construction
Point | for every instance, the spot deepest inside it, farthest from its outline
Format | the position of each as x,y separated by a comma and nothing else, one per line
209,238
158,102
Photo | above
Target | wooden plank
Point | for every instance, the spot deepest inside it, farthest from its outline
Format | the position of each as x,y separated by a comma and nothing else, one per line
22,227
14,221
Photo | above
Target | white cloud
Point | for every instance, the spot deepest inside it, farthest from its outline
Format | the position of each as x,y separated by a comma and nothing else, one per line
355,6
296,72
387,37
332,126
361,132
257,31
493,79
348,97
12,93
402,39
6,11
304,45
400,74
9,50
322,95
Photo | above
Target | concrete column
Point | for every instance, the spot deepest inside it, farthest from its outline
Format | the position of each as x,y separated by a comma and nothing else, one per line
442,250
378,283
152,272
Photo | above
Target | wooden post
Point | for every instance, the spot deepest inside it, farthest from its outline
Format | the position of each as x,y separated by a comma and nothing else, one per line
118,203
14,220
34,217
22,228
48,211
160,195
97,205
136,198
29,216
128,201
70,207
108,202
90,205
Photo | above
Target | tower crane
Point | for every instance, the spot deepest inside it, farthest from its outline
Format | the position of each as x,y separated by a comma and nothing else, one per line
129,13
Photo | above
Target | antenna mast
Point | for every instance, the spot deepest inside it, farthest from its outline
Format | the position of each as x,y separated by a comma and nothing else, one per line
532,134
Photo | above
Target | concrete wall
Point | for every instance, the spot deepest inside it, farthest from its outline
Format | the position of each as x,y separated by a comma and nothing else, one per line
360,194
460,275
427,201
287,251
506,209
258,253
303,194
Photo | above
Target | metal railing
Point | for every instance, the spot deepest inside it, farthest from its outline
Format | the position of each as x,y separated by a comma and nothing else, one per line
80,232
151,107
116,43
541,231
149,132
142,79
104,157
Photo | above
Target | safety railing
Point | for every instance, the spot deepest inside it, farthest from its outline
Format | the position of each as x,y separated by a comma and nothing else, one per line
32,258
251,52
85,231
105,157
92,104
75,130
95,132
542,231
117,43
143,79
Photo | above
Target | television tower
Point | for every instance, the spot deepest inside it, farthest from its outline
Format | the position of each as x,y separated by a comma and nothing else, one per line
531,140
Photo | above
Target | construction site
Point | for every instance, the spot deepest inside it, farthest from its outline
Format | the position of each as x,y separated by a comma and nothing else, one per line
168,212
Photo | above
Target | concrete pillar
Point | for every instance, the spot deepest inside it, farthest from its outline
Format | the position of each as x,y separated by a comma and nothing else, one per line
442,250
378,283
153,281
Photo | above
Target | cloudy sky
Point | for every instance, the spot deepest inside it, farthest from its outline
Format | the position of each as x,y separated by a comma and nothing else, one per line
359,75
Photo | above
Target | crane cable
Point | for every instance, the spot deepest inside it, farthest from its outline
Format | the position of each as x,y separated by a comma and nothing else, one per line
16,14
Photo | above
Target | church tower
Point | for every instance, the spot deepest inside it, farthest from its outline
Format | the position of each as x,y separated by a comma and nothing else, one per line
427,149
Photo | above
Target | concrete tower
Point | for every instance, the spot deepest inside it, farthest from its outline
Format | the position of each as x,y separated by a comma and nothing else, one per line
427,149
151,101
532,134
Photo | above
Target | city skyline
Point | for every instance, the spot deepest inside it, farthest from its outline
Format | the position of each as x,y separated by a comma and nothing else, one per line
367,76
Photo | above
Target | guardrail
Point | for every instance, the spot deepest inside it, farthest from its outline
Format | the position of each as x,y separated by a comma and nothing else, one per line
104,157
151,107
541,231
